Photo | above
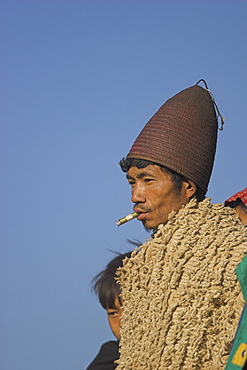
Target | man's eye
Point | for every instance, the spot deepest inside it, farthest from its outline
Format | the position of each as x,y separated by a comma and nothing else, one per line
112,313
148,180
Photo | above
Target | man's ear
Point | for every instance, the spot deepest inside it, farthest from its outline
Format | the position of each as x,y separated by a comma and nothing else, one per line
190,189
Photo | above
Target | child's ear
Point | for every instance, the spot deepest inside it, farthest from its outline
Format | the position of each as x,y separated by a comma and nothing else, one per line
190,189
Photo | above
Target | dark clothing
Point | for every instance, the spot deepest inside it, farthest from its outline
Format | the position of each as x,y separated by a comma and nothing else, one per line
104,360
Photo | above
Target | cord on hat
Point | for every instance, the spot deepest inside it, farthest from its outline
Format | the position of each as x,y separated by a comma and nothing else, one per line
222,119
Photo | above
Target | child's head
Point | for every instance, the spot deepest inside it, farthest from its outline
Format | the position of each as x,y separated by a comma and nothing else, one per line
108,291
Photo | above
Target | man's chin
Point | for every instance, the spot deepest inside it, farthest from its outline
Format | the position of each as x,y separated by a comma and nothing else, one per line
151,226
148,226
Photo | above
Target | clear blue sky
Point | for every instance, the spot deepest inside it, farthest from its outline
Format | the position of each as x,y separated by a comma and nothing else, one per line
79,79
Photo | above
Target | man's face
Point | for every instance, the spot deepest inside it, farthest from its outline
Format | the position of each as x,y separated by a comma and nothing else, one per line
114,318
154,195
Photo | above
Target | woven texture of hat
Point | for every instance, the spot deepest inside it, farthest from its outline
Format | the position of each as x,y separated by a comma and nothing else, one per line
182,300
182,136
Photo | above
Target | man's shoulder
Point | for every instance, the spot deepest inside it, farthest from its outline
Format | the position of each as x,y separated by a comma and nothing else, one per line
111,344
202,222
205,212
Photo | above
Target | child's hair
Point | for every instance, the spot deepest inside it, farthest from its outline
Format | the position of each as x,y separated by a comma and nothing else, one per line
104,283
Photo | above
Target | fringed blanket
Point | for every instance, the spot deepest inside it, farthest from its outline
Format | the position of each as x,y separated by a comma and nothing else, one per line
182,301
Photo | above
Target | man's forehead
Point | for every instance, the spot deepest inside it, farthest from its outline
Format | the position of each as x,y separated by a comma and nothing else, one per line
150,170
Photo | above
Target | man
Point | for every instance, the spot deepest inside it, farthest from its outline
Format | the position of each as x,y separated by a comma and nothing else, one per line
182,301
238,355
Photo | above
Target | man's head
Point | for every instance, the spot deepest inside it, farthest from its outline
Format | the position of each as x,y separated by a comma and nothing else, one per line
239,202
108,292
156,191
180,141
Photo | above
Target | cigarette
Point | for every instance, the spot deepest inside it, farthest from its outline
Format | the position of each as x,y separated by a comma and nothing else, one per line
127,218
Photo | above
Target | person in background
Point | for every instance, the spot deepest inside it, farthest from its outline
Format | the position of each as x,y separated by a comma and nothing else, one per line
108,292
239,203
238,355
181,298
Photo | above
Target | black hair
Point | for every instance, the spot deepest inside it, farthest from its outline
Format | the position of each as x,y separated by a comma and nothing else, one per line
105,285
176,178
125,165
237,202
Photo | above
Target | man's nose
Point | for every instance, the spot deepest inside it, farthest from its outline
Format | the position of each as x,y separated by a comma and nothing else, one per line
138,194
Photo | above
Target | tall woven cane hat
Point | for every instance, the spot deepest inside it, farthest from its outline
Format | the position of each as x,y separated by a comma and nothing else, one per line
182,135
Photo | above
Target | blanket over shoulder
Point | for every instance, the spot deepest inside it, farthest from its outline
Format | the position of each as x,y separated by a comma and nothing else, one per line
182,300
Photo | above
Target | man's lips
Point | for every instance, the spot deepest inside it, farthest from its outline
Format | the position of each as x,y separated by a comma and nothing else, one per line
141,216
142,213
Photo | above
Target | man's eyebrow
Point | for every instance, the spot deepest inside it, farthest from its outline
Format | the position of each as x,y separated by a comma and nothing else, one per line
139,175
